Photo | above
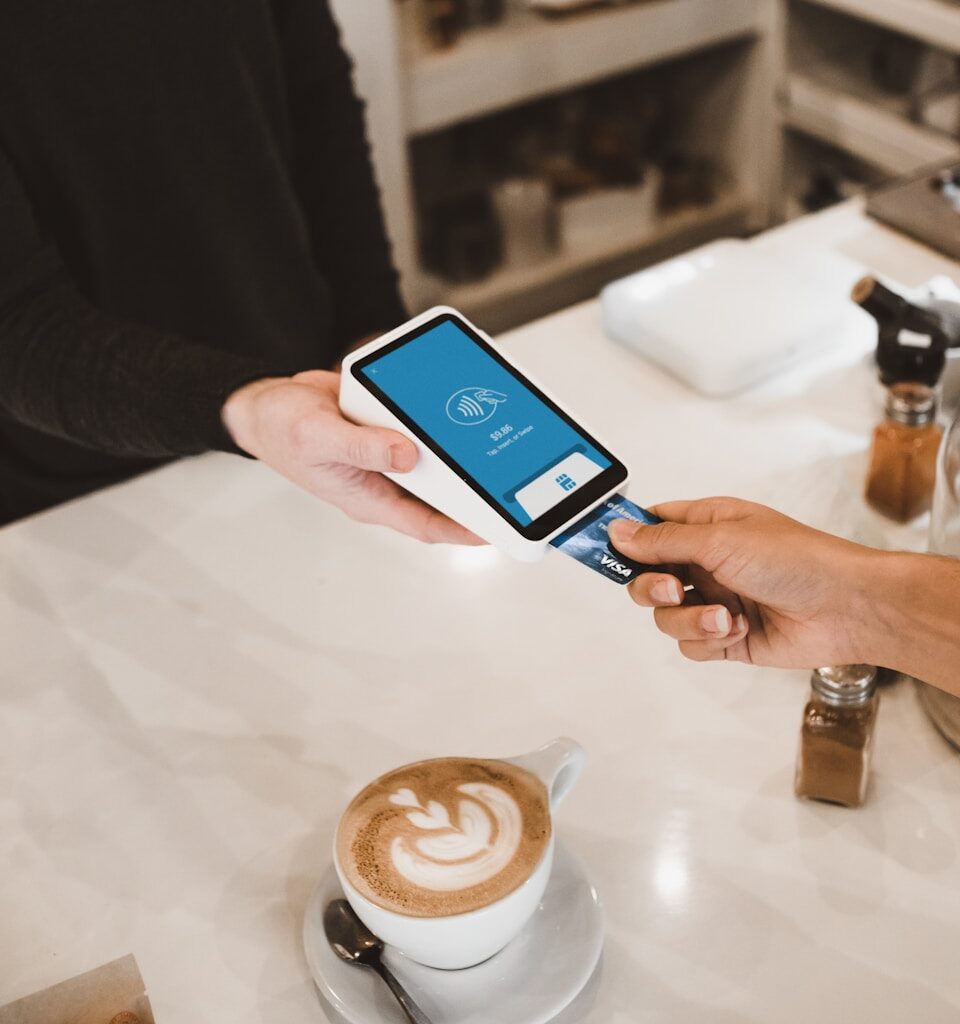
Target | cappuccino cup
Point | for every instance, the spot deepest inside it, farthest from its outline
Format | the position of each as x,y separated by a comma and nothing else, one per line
446,860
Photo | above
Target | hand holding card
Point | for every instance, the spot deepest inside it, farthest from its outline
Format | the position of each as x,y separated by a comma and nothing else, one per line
588,540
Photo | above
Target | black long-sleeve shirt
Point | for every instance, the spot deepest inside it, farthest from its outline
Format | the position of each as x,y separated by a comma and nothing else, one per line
186,204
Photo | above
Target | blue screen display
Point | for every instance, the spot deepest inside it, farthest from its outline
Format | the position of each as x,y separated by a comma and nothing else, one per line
516,448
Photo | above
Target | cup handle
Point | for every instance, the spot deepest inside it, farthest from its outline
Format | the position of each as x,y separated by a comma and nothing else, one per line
557,764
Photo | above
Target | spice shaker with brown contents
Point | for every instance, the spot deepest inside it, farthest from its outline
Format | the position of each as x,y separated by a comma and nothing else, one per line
903,458
836,739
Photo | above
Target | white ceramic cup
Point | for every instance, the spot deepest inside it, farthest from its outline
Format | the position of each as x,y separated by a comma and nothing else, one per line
462,940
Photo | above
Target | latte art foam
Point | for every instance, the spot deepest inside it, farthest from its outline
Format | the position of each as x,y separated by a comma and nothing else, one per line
445,836
458,855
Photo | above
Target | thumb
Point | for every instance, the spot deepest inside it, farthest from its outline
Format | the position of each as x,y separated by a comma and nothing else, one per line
665,543
372,448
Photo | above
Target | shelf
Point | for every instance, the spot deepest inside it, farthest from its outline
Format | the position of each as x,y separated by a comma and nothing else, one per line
839,77
936,22
687,227
866,128
528,55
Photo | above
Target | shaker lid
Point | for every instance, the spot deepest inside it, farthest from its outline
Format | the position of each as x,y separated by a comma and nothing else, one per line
845,685
912,404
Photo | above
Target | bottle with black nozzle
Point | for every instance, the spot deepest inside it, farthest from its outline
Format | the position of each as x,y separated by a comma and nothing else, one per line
911,340
911,355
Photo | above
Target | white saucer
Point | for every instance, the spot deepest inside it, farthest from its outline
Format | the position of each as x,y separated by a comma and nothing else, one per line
528,982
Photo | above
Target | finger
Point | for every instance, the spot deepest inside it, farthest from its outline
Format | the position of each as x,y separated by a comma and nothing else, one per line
703,510
708,622
379,501
410,516
666,543
653,589
373,448
326,380
728,648
703,650
706,590
327,436
436,528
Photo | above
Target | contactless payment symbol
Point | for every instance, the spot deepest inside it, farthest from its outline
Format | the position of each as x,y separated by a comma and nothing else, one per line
470,406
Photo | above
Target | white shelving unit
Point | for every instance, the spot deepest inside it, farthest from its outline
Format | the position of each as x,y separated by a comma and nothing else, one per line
830,93
412,91
935,22
528,56
867,129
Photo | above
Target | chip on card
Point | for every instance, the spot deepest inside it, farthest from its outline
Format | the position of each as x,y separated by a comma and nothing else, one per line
587,540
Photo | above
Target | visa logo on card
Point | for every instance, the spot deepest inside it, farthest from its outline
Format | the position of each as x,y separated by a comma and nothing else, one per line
587,540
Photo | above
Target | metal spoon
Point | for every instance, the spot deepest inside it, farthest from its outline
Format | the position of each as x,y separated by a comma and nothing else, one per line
352,941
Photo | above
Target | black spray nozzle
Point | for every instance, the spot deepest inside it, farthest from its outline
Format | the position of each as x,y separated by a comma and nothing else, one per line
911,341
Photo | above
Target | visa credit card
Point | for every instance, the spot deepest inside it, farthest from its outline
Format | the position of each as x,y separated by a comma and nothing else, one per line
588,543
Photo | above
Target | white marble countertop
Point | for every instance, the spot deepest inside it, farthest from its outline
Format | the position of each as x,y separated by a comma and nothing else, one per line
200,667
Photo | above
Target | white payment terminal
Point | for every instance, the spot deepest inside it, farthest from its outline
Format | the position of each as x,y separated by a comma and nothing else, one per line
498,454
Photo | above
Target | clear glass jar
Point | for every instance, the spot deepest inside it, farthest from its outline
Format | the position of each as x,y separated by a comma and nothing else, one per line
942,708
945,514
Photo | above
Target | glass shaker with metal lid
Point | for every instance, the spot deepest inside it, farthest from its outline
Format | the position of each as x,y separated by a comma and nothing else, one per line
836,738
903,455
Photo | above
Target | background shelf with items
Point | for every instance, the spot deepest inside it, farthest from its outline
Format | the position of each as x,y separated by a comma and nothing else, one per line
522,54
537,205
793,100
502,60
935,22
818,175
888,99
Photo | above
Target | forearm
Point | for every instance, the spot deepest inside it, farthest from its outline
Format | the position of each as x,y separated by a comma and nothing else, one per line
916,626
71,371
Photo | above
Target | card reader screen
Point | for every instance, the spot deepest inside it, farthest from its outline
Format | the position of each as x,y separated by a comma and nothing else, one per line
493,427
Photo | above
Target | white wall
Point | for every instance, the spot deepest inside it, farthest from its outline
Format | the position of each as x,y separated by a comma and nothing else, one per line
371,32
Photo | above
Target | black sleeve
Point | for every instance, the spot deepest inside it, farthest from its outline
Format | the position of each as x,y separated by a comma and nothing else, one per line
69,370
334,174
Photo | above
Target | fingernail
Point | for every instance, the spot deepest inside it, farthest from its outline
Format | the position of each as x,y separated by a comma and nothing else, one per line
620,529
400,457
740,623
665,592
716,621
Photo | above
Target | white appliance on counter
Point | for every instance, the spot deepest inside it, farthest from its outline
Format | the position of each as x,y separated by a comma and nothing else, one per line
725,316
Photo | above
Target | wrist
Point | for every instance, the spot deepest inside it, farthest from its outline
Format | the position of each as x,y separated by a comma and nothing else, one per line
237,412
903,619
880,605
915,598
